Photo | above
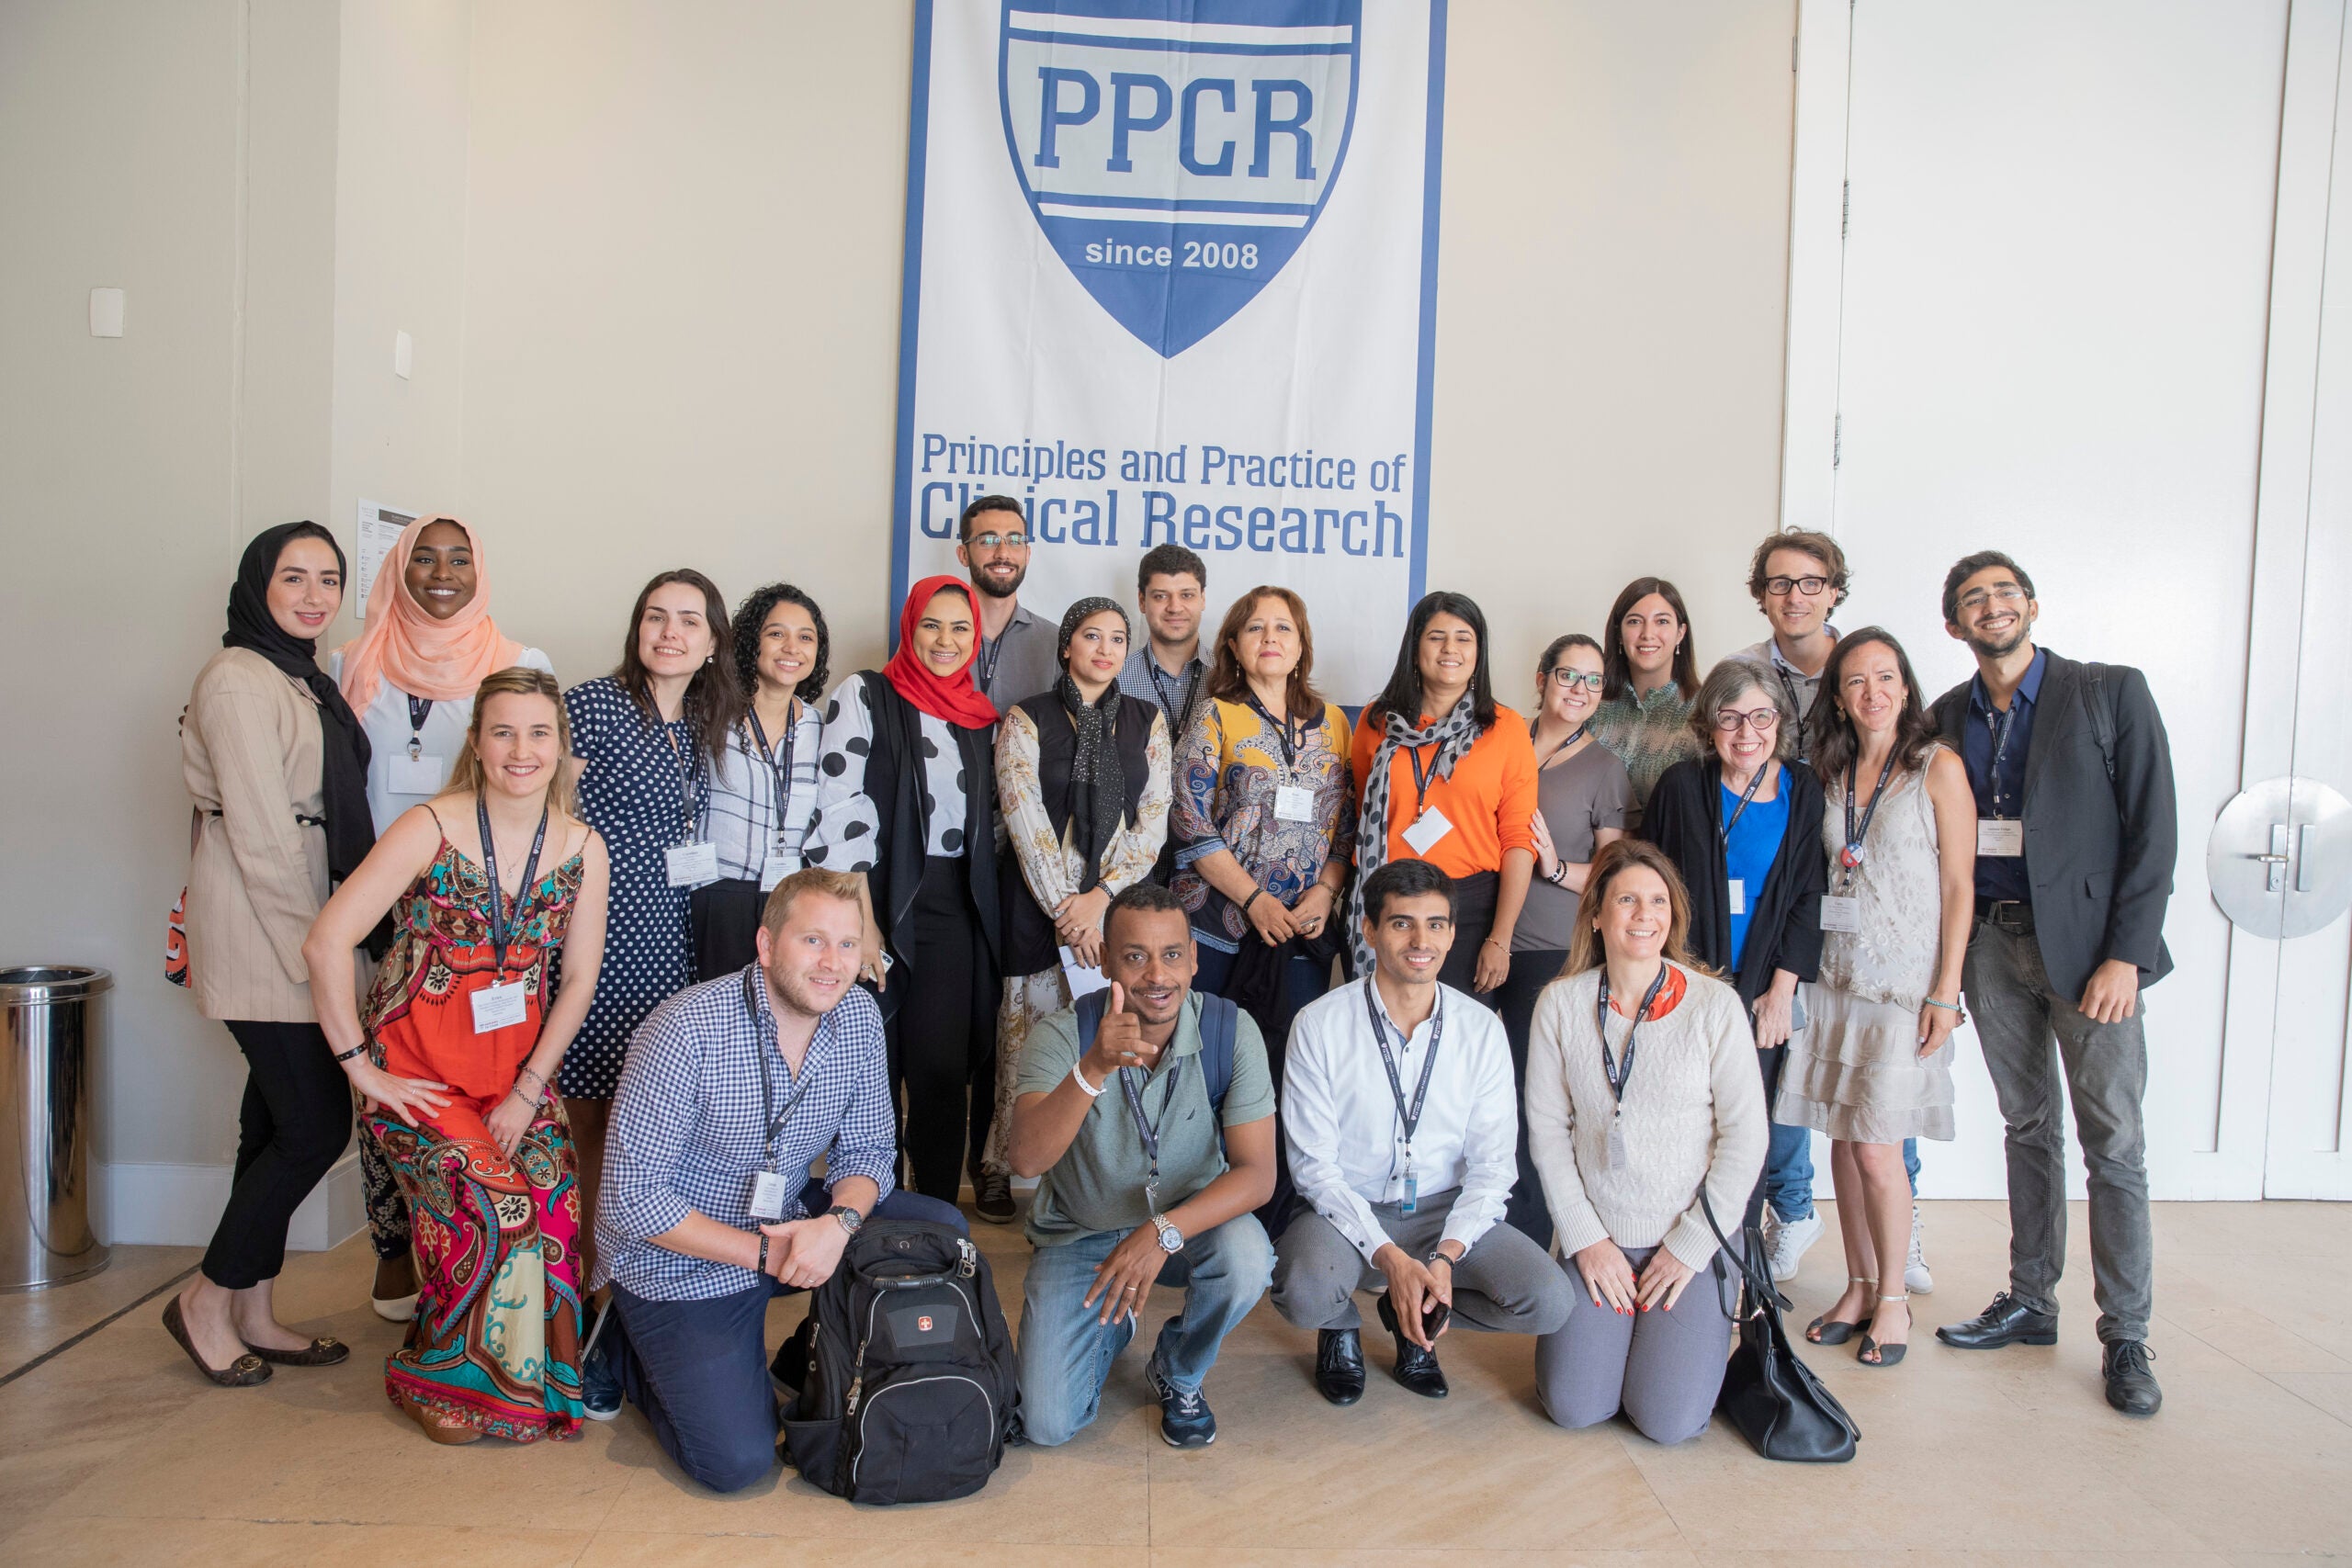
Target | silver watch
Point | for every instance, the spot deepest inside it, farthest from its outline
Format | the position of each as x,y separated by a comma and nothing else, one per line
1171,1238
850,1218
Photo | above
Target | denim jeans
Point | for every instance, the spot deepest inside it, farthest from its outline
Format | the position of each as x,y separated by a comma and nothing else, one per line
1065,1352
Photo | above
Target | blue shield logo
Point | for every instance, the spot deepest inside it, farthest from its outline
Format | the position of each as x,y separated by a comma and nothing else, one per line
1177,152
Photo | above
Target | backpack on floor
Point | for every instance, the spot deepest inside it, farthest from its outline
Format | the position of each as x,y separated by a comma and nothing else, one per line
907,1387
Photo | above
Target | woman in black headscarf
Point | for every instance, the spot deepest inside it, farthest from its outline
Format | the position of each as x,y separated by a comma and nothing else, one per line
277,764
1082,777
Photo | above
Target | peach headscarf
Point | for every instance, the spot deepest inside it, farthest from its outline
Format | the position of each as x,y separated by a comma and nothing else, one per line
443,660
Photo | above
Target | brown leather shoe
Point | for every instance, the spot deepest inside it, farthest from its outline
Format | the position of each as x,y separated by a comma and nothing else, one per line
244,1372
323,1351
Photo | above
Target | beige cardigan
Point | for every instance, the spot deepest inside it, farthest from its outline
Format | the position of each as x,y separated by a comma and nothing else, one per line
250,749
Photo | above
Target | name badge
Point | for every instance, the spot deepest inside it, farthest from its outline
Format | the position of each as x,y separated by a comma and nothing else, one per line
418,775
1841,914
691,865
2002,836
1295,803
778,865
1424,834
1738,888
498,1006
767,1196
1617,1142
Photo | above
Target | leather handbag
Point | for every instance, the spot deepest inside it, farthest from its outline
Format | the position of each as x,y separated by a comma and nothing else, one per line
1768,1394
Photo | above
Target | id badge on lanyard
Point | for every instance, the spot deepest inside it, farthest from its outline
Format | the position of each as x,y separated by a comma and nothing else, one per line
1619,1072
695,861
413,770
501,1004
769,1190
1408,1115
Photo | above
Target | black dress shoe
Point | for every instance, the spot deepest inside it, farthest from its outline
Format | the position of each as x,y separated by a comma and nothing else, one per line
1416,1369
2130,1386
2006,1322
1339,1365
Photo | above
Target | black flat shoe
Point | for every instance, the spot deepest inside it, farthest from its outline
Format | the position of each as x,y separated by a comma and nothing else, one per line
2130,1386
2006,1322
323,1351
1416,1367
244,1372
1339,1365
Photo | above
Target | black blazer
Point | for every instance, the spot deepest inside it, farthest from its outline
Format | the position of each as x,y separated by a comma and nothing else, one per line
2102,826
1784,915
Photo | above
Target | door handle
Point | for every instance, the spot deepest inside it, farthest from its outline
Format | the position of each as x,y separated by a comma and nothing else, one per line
2304,847
2274,864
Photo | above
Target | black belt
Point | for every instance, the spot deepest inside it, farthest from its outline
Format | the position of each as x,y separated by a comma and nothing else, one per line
2015,913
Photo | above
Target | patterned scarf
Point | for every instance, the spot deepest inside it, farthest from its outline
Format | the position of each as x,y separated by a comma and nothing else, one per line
1454,734
1098,785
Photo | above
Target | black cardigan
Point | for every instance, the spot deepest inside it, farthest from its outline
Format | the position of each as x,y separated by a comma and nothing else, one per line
1784,919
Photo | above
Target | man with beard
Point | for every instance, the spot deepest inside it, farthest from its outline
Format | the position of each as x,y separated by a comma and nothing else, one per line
1166,669
2076,838
1018,655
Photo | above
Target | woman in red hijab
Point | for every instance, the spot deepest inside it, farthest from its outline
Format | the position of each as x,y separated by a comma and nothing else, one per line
905,794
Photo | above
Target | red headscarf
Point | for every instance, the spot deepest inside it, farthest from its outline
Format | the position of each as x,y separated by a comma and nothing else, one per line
950,697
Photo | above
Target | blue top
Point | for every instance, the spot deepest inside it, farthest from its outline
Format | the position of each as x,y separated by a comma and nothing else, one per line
1754,845
2000,792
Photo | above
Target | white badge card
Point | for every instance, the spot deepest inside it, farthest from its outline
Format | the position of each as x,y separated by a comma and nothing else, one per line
1617,1142
767,1196
418,775
691,865
1841,914
1423,835
777,866
1738,895
498,1006
2001,835
1294,803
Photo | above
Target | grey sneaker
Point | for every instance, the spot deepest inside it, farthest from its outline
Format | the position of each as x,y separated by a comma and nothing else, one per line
1916,1278
1785,1242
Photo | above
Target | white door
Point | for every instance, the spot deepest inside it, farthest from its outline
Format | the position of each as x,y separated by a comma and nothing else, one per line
2048,327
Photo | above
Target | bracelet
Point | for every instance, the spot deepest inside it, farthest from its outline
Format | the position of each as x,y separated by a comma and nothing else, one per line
1948,1007
1253,898
1559,877
1440,1255
526,1071
762,1264
343,1056
1091,1092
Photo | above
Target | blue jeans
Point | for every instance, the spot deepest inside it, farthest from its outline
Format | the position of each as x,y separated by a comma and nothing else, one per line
699,1370
1066,1352
1788,1170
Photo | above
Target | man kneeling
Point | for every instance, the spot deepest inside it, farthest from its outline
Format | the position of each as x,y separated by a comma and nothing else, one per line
732,1089
1138,1184
1407,1191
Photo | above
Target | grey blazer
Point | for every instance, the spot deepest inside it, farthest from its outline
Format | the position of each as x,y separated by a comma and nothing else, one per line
2101,824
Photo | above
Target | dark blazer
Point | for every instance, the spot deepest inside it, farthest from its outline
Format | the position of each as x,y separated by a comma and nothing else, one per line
2102,826
1784,919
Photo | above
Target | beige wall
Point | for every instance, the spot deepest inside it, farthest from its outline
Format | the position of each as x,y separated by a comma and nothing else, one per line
650,257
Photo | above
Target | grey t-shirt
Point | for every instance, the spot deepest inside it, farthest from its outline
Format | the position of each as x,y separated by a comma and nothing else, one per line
1097,1185
1024,661
1579,796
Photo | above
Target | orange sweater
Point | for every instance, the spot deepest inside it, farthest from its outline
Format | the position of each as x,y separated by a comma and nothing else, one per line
1490,799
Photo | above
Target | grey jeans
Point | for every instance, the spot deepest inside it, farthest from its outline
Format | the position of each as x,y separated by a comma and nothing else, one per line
1663,1368
1504,1285
2018,1019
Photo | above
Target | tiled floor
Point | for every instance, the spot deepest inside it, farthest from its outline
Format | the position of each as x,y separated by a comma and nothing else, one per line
113,1450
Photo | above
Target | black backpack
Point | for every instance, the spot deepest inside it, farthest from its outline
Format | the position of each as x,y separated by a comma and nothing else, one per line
908,1390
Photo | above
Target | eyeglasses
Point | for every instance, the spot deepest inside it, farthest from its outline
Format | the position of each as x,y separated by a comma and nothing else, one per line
1781,587
1572,678
2003,592
1763,720
999,542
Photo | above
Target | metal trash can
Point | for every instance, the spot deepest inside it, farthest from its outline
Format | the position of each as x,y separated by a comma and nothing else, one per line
50,1015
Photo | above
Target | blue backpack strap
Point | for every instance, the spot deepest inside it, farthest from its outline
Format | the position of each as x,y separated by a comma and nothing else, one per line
1219,1022
1090,1009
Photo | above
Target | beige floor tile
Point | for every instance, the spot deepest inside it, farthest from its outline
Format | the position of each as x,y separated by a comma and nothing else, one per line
32,1322
631,1549
281,1544
1414,1557
2330,1392
1965,1560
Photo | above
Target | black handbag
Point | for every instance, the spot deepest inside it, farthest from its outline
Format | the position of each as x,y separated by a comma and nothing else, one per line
1769,1393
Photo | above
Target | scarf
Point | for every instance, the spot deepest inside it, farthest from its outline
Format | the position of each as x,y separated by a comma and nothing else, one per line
343,753
951,698
1454,734
441,660
1098,786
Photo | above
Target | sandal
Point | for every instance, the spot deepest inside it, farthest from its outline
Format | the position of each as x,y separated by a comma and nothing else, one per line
1824,1330
244,1372
1888,1355
323,1351
440,1428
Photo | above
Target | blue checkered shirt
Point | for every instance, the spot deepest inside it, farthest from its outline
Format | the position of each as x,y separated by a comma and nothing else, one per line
689,1132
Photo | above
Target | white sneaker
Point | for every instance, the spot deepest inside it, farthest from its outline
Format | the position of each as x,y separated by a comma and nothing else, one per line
1786,1240
1916,1278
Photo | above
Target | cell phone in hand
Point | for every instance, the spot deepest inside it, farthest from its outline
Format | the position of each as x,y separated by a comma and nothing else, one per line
1433,1318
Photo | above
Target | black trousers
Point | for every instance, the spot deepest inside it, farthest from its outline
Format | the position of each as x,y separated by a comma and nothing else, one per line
293,1127
725,916
943,1034
1515,999
1474,921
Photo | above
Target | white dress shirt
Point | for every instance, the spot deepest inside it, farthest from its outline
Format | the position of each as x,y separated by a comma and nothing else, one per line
1346,1141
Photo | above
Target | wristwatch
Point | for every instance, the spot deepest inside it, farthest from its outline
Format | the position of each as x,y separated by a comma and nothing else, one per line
1171,1238
850,1218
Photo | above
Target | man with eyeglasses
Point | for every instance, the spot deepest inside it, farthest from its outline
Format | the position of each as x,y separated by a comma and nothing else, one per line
1018,658
2075,836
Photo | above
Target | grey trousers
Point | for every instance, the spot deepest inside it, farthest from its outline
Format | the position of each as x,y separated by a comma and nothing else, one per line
1504,1285
2017,1018
1663,1368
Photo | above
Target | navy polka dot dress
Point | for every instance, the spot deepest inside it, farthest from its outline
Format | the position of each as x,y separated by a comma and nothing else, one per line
634,794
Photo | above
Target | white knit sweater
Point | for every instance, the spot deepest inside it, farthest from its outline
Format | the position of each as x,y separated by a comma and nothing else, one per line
1693,1111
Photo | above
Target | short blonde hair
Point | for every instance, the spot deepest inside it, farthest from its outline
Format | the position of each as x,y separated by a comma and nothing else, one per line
841,884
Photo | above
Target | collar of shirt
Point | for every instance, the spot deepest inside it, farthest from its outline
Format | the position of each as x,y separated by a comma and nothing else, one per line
1779,660
1420,1032
2029,688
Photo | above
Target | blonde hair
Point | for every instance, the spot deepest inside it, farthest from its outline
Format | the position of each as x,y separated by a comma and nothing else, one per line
1614,861
465,776
841,885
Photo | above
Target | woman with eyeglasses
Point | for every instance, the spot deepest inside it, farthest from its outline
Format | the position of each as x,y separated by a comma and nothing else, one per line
1583,796
1649,675
1743,827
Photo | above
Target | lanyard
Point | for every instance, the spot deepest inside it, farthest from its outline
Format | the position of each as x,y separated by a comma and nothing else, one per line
2001,746
984,667
418,708
1128,1078
1282,729
1852,857
777,1121
499,929
1742,808
1621,1073
1410,1117
1181,716
1574,736
783,770
686,776
1422,777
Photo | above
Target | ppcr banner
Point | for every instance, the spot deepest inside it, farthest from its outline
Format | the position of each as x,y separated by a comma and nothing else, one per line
1171,274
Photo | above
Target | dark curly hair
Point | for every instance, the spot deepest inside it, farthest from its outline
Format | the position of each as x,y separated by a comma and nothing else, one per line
752,619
